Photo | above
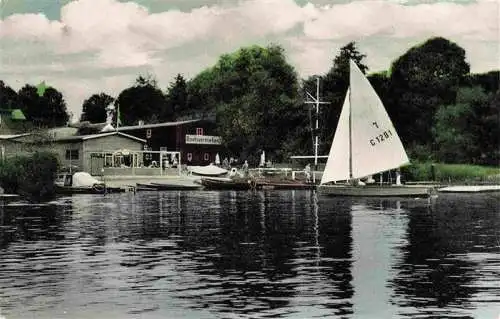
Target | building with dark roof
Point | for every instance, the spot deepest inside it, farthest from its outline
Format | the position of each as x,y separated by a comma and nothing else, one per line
87,153
196,140
94,147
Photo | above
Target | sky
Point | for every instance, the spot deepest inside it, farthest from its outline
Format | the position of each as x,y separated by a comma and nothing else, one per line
82,47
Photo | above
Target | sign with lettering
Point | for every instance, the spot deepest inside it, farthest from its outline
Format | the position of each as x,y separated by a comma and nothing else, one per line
203,139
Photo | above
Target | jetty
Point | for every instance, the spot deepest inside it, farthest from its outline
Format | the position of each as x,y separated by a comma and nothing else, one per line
470,189
130,182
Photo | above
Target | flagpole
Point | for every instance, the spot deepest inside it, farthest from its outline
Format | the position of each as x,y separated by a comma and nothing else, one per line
316,100
117,117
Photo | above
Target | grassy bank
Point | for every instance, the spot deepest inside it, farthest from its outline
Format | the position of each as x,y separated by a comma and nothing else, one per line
31,176
451,173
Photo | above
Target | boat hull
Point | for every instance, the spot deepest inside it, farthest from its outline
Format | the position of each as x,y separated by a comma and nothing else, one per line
376,191
223,184
209,170
79,190
175,186
284,186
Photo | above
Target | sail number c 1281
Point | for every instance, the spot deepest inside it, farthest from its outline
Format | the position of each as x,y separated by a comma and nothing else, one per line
385,135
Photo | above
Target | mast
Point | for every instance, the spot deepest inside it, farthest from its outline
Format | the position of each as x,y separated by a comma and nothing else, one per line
350,134
317,102
349,90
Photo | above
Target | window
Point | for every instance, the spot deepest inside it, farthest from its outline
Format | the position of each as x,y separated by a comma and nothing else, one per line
71,154
199,131
206,157
108,160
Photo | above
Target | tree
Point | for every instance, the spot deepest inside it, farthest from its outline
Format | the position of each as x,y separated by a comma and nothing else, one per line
333,89
423,78
469,130
143,101
380,83
202,97
8,97
254,92
48,110
94,108
489,81
177,95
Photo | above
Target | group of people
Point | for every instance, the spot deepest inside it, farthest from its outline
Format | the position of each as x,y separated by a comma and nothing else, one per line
228,163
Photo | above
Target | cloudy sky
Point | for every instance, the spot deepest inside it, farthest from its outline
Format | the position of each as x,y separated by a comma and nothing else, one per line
86,46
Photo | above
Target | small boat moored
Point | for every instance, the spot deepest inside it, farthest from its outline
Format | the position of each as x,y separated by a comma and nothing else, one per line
166,186
212,183
209,170
79,183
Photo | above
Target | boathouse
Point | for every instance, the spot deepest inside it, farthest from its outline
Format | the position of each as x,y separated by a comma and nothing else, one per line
143,149
89,153
195,140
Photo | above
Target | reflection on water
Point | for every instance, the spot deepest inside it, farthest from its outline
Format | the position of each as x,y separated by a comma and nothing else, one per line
250,254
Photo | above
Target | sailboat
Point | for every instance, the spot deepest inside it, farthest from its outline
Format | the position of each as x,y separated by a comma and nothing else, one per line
365,143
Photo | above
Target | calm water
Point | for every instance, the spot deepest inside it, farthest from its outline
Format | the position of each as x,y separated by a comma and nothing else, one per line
250,255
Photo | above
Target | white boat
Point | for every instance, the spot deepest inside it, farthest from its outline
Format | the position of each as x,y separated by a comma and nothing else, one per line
79,182
365,143
209,170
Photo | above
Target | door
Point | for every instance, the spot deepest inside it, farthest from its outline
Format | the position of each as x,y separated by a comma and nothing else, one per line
96,164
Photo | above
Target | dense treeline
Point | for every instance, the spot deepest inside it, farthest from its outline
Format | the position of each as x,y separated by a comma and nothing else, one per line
31,176
441,111
45,108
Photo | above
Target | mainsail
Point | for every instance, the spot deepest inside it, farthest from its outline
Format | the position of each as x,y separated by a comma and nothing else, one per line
365,141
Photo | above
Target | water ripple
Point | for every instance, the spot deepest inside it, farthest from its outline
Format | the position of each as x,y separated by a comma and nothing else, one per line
249,255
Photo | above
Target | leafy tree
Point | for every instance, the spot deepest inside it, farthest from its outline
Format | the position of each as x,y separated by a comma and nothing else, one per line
380,83
333,89
423,78
489,81
254,92
8,97
469,130
488,129
94,108
48,110
143,101
177,95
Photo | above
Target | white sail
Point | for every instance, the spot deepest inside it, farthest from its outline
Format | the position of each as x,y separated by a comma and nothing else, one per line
337,165
376,146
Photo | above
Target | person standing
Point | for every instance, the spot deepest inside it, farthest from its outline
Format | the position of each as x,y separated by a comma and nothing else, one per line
244,168
307,172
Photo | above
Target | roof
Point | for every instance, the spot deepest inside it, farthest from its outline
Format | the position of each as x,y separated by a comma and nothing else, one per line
88,124
165,124
61,132
94,136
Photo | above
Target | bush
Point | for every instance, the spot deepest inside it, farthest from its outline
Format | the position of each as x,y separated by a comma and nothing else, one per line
462,173
31,176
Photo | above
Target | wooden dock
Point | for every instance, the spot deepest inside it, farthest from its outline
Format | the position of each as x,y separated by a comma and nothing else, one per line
470,189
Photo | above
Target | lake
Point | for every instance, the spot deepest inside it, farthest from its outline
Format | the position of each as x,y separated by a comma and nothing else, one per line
270,254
